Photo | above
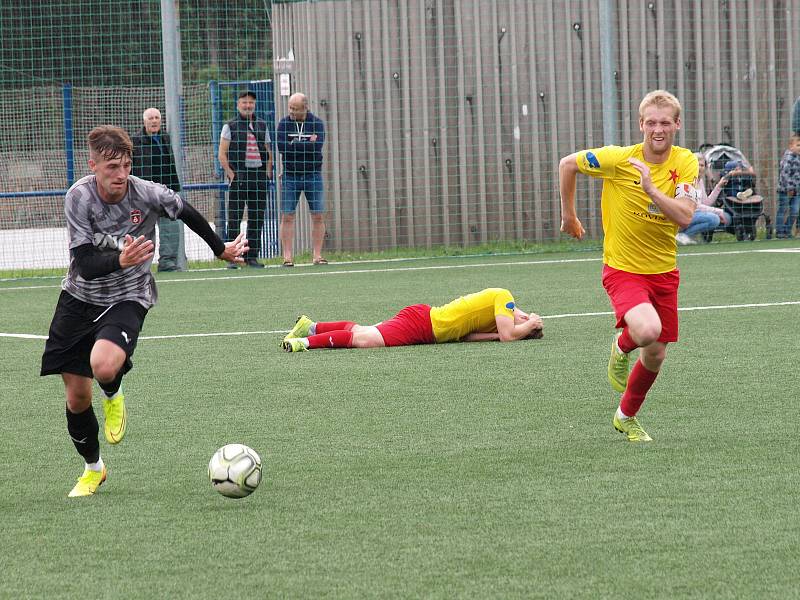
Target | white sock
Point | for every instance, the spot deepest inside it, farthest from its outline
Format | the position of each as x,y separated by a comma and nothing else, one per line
621,415
304,341
97,466
620,350
119,391
313,329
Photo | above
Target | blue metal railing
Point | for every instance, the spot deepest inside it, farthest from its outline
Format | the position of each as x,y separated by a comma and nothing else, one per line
69,134
265,108
50,193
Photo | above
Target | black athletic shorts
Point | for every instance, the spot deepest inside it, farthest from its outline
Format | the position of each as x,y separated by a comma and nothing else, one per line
77,325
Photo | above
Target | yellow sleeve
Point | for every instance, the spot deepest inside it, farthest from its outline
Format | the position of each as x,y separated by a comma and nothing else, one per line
689,168
601,162
504,304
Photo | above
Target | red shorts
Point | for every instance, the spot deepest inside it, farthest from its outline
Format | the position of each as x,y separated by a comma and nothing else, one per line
410,326
627,290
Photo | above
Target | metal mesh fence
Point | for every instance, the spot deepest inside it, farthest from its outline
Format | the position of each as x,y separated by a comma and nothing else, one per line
445,120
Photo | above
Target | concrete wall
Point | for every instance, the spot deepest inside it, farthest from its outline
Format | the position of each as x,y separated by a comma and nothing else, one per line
447,119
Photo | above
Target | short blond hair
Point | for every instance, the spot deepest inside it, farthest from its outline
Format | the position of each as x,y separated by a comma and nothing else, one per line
661,99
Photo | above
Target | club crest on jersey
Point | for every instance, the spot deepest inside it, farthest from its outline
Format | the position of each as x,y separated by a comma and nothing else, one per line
590,161
686,190
136,216
653,209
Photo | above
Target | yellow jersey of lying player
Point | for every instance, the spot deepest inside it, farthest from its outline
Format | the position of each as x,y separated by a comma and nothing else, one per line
473,313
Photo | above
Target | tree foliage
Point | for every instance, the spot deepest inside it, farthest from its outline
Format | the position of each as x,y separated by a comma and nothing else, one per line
118,42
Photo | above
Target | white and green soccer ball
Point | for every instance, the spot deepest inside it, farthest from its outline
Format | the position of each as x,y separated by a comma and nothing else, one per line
235,470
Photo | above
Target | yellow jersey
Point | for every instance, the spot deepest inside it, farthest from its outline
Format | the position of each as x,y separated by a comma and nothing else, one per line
638,237
473,313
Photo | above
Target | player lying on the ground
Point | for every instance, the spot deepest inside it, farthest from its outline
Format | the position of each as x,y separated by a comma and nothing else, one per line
488,315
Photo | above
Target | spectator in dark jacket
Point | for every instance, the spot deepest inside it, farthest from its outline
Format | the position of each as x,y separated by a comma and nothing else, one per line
245,156
153,160
300,138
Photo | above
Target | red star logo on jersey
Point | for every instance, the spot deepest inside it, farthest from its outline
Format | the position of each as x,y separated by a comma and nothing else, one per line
673,175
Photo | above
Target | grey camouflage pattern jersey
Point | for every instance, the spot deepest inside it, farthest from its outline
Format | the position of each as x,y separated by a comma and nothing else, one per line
92,221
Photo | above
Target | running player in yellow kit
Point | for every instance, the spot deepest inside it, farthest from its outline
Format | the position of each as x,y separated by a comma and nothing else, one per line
647,195
490,314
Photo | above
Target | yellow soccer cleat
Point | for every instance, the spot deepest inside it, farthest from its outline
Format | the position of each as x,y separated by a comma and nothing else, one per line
618,367
631,428
301,328
294,345
116,418
88,483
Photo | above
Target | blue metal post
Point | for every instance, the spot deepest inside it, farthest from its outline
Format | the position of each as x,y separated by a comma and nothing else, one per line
69,134
272,201
216,122
216,128
265,109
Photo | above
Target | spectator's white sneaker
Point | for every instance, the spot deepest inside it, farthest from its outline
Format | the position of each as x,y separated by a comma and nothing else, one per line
684,240
745,194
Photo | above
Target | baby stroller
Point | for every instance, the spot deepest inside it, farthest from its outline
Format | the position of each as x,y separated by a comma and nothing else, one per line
738,197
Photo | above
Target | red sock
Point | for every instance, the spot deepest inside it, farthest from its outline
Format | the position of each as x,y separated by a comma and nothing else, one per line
626,343
331,339
639,383
325,327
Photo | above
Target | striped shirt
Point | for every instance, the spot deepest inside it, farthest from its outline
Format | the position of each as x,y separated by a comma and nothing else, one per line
90,220
252,158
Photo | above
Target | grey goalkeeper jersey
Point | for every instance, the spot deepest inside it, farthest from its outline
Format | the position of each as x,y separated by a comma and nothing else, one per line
92,221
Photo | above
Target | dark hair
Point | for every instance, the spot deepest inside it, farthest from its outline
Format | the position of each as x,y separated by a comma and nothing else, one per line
535,334
110,142
248,93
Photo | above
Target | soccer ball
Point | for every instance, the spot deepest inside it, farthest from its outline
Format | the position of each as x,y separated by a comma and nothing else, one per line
235,470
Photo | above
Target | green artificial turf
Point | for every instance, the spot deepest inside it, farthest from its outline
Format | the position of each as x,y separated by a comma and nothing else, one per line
461,470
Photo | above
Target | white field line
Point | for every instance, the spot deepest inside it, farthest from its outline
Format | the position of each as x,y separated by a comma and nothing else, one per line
684,309
27,336
314,273
329,273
